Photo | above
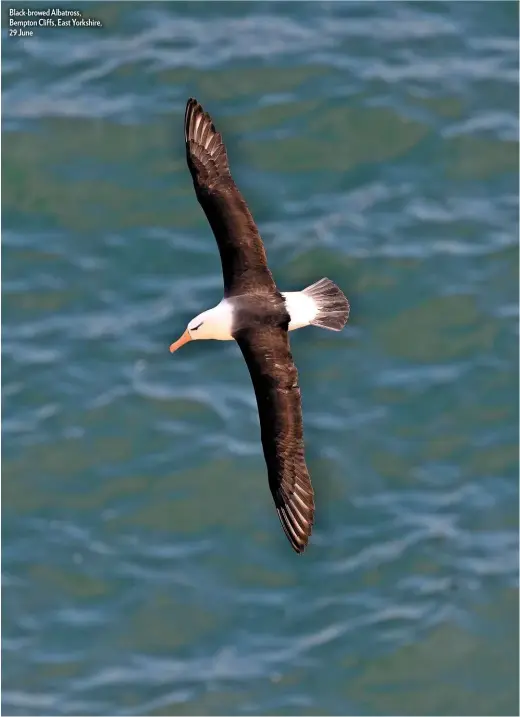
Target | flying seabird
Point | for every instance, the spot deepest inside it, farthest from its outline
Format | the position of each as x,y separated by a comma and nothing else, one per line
258,317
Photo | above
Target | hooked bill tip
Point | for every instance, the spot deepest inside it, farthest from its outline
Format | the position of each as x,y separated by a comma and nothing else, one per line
180,342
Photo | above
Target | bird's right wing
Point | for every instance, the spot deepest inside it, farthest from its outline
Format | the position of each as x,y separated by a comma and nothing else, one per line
275,380
244,262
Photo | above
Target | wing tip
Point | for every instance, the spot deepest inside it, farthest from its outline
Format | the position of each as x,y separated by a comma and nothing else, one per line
192,105
297,525
197,121
203,143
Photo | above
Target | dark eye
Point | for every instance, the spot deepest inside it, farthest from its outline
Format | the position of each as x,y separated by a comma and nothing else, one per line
194,328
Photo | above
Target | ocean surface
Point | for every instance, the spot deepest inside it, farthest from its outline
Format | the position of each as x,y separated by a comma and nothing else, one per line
144,570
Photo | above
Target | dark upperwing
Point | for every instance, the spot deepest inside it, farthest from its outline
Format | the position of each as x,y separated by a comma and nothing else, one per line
275,380
244,263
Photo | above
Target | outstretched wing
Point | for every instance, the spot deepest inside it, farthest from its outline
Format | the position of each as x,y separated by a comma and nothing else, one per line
275,380
244,263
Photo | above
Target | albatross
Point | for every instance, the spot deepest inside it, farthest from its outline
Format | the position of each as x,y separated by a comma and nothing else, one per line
258,316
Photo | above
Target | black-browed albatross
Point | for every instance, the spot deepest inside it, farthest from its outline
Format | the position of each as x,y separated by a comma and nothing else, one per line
258,317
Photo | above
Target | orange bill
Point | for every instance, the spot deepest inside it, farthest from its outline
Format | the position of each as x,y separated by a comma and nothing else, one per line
180,342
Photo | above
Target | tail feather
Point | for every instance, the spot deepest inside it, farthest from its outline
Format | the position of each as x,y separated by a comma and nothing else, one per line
332,307
205,150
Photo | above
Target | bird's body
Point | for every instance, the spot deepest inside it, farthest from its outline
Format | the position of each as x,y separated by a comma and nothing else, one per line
223,319
258,317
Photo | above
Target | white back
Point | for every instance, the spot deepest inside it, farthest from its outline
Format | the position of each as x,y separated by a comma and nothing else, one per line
302,309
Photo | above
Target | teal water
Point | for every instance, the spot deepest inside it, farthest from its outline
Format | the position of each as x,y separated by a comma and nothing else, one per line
144,568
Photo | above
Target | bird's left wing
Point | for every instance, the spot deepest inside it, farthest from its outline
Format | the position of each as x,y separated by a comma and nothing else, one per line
275,380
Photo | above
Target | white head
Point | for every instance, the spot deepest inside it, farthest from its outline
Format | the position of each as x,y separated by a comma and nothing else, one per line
211,324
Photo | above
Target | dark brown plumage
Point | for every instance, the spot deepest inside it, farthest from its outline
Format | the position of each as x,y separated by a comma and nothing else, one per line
260,325
242,253
275,380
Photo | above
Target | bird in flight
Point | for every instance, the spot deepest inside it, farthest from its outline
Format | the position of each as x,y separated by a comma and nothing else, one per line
258,317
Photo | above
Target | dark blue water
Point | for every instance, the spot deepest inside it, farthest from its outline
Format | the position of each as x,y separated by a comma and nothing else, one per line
144,568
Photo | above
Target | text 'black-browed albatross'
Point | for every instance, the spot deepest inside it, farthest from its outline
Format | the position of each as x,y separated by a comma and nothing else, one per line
258,317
